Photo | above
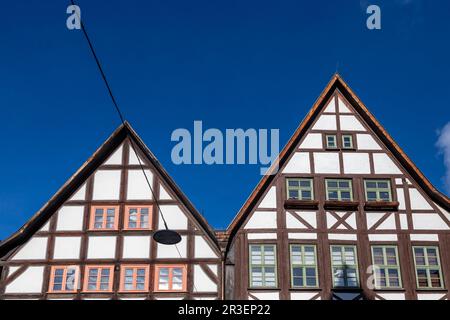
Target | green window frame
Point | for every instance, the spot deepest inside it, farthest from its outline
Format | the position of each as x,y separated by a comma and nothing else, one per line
347,141
344,266
304,273
386,267
378,190
331,141
300,188
428,267
339,189
263,266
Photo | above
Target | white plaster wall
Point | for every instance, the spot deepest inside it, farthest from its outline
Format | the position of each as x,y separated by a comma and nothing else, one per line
170,251
342,107
308,216
392,296
331,106
67,248
270,199
202,249
302,236
383,237
265,295
80,194
303,295
70,218
424,237
312,141
430,296
428,221
116,157
133,159
28,282
326,162
106,185
325,122
384,165
163,194
418,202
214,268
262,220
175,218
261,236
136,247
401,199
138,188
342,236
373,217
367,142
202,282
35,248
388,224
101,247
357,163
403,221
45,227
350,123
299,163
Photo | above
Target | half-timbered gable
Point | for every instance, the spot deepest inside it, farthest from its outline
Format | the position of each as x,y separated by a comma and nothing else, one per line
346,216
93,239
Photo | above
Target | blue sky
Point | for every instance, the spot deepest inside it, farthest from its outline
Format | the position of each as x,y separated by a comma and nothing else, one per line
231,64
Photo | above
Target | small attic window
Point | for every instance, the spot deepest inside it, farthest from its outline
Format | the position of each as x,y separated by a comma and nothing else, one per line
347,141
331,141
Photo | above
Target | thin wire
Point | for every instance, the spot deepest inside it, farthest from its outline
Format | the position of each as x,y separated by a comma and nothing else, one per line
119,112
122,119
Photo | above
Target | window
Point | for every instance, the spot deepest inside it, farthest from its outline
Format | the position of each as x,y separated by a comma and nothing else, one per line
347,141
104,218
331,141
344,267
339,189
138,217
303,266
378,190
301,189
386,267
134,278
263,266
170,278
428,267
98,278
63,279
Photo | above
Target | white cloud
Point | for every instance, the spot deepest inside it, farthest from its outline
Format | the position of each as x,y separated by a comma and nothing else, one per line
443,144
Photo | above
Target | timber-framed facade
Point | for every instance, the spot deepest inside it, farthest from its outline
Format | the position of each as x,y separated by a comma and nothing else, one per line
346,216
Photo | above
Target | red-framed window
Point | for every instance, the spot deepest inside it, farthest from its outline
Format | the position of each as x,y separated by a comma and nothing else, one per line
170,278
104,218
134,278
138,217
64,279
98,278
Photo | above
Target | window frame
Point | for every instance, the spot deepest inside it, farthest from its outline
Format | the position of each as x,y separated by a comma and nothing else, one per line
104,221
386,266
378,190
352,144
338,189
262,265
299,188
427,267
99,276
334,136
64,279
126,225
356,266
135,267
158,267
292,265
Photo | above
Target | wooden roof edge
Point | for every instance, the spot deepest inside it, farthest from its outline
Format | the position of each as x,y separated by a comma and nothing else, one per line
334,83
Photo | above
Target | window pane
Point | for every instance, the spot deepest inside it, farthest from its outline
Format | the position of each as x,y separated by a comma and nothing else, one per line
293,194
